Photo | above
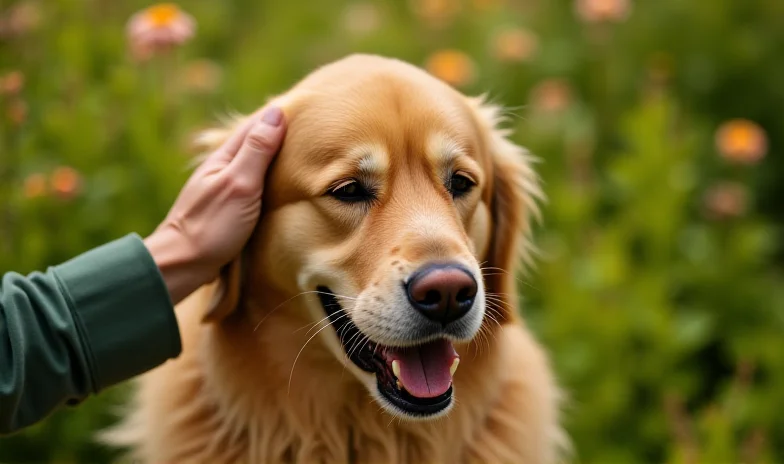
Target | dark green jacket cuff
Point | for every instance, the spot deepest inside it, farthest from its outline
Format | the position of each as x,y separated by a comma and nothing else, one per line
122,310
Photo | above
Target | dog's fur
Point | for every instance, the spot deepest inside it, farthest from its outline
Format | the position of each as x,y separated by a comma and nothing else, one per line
245,390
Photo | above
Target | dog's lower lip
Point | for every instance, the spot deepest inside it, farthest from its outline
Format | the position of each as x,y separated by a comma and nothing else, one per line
365,354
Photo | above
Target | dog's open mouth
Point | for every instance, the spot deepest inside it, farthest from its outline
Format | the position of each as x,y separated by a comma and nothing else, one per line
416,380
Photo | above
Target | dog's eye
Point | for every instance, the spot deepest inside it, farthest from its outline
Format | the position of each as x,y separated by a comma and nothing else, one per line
351,191
460,184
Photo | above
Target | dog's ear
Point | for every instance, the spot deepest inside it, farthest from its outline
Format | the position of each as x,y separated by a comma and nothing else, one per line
228,288
513,196
228,285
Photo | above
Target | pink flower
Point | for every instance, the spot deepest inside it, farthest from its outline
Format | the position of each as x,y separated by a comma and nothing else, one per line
362,19
12,83
202,76
437,13
17,111
551,96
726,200
159,28
515,45
20,19
594,11
35,186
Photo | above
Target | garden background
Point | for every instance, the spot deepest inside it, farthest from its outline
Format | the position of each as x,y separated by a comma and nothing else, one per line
658,290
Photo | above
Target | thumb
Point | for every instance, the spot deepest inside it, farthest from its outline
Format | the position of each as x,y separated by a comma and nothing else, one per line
261,144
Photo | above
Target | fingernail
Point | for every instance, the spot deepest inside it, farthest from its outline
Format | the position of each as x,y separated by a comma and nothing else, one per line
272,116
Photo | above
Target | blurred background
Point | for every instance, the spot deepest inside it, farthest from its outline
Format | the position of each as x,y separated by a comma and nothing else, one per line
658,289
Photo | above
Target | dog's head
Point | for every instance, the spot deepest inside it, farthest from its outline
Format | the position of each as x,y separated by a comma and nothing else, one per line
392,194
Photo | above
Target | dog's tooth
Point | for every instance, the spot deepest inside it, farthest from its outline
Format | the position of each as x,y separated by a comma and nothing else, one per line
396,368
400,386
453,367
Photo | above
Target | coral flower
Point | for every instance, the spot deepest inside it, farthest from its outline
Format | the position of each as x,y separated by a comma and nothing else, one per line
361,19
202,76
515,45
159,28
551,96
594,11
20,19
436,12
66,182
11,83
17,111
726,200
34,186
741,141
452,66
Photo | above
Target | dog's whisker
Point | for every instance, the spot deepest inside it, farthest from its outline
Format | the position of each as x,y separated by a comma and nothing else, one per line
366,343
355,344
498,299
291,374
483,341
287,301
497,308
492,316
353,338
329,323
297,296
500,302
504,271
311,325
493,319
315,324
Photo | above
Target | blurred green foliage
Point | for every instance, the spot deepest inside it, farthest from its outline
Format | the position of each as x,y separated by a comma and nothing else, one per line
658,286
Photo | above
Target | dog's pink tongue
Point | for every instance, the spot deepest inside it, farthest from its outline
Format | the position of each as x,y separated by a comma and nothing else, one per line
424,370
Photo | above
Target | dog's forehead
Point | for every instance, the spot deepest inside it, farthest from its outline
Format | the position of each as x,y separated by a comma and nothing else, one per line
380,127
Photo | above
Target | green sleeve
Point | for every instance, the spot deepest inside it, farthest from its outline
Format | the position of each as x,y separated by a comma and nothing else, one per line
96,320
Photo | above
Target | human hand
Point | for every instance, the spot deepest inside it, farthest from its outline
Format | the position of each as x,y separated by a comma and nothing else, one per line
217,209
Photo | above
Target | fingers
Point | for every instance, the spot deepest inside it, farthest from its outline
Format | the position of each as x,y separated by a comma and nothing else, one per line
261,143
231,146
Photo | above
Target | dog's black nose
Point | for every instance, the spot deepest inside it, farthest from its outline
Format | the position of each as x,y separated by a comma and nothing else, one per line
442,293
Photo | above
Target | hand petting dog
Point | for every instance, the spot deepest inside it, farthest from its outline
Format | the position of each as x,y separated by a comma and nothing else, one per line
217,209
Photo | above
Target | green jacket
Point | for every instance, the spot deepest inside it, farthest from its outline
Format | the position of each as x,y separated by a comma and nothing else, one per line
94,321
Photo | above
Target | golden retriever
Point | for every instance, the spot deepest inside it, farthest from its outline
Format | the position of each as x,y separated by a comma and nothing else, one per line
394,222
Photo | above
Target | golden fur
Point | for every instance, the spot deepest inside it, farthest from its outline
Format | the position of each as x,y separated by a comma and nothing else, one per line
245,390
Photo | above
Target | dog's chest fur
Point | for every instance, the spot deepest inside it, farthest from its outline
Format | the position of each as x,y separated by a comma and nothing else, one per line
233,397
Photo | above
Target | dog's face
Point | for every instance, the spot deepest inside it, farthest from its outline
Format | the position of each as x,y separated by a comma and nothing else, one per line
384,205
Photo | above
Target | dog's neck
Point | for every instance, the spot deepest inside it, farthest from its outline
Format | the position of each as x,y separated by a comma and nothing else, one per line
266,363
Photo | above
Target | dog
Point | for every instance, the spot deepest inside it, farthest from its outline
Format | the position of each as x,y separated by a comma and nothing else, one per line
395,221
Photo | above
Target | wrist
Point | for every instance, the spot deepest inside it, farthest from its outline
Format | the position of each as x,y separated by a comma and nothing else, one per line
182,267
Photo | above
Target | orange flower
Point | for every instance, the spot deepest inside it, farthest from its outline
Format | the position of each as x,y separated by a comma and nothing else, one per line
726,200
435,12
66,182
11,83
452,66
202,76
741,141
551,96
35,186
158,29
515,45
594,11
361,18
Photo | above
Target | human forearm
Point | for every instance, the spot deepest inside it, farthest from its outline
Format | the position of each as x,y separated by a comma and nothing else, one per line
94,321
